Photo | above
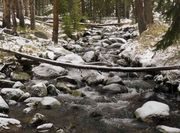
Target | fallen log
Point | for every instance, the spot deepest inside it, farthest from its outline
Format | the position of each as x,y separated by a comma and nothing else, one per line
99,68
97,25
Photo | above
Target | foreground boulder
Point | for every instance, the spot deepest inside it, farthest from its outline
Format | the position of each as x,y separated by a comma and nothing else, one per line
12,93
8,123
50,102
71,58
48,71
166,129
152,109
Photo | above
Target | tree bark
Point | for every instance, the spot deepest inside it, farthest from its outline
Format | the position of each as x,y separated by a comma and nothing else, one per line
139,8
21,14
26,7
148,7
13,10
83,9
32,13
6,14
55,21
118,10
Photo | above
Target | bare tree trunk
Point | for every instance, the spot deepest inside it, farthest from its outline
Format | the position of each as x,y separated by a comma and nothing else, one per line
6,14
55,21
21,14
13,10
148,5
118,10
83,7
26,7
139,8
32,13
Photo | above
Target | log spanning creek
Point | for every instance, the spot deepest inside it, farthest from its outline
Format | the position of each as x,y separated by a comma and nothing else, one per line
55,93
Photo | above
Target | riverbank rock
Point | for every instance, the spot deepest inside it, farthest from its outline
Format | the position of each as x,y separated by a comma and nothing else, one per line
113,89
38,90
152,109
37,119
166,129
6,83
45,127
11,93
20,76
48,71
92,77
89,56
71,58
3,105
50,103
9,123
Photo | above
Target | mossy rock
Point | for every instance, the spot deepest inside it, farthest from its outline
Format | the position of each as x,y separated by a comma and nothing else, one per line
40,34
20,76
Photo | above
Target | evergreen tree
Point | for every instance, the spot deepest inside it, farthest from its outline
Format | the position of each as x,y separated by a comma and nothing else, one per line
172,14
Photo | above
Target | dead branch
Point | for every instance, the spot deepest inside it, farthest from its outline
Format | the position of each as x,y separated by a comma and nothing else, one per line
99,68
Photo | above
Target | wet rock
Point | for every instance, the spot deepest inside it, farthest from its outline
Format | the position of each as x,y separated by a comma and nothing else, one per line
48,71
114,79
25,96
59,51
60,131
2,37
52,90
139,84
37,120
93,78
166,129
28,110
6,83
122,62
115,45
119,40
152,109
50,103
3,105
77,93
66,83
18,85
159,79
20,76
34,100
9,123
113,89
46,126
87,33
38,90
148,77
71,58
2,76
11,93
12,102
89,56
48,55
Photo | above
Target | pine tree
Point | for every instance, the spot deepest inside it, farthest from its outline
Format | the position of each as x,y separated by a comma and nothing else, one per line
172,14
